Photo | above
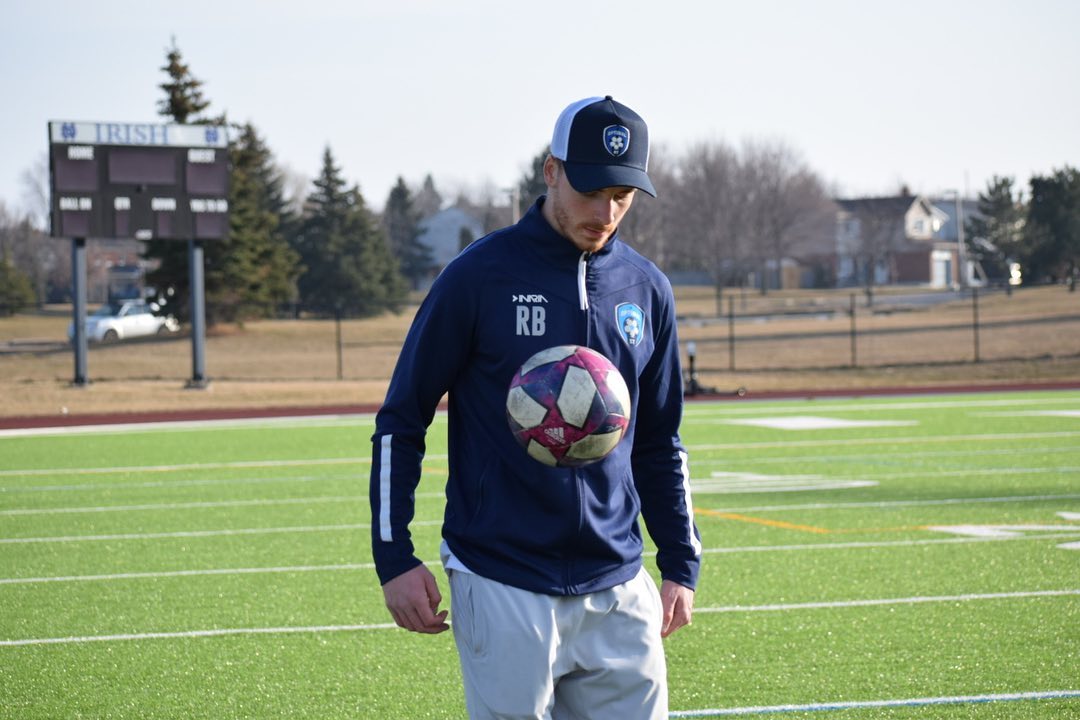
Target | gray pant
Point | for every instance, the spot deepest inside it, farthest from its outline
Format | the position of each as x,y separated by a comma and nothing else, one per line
526,656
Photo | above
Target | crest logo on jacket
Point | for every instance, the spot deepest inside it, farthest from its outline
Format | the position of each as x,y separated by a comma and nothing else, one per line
630,320
616,140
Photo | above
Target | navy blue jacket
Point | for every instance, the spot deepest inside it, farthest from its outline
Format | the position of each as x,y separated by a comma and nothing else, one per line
509,518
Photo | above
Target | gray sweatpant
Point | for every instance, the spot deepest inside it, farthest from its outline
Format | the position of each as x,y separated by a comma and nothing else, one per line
526,656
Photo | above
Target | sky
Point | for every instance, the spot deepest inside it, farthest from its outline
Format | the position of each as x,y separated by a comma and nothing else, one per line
936,95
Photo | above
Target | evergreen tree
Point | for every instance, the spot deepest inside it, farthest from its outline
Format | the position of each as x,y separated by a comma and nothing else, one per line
348,267
183,92
254,270
427,201
995,234
402,225
170,276
532,185
16,290
1053,226
465,238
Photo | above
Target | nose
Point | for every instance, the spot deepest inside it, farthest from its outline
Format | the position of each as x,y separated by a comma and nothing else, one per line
604,209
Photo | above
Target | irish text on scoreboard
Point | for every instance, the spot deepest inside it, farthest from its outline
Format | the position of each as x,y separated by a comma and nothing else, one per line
139,180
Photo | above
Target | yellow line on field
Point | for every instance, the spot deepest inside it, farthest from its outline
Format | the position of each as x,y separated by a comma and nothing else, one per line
764,521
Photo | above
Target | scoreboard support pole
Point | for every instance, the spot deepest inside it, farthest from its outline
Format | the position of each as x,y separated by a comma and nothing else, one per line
198,315
78,311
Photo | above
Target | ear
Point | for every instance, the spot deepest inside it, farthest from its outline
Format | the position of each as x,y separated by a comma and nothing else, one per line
551,171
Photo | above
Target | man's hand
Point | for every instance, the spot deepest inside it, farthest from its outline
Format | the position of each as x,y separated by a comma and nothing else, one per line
678,604
413,599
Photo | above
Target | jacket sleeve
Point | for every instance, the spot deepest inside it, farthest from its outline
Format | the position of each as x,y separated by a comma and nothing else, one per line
434,349
660,463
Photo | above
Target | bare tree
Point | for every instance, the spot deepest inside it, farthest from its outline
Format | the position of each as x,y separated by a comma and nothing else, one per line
789,201
295,186
44,260
35,190
873,234
706,216
428,201
646,226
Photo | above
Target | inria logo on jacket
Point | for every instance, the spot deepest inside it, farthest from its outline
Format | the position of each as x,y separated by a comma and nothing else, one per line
531,319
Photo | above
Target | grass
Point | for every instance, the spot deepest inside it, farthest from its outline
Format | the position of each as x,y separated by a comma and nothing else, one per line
795,340
258,531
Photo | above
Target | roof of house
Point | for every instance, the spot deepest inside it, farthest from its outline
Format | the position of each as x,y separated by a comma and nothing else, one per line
441,233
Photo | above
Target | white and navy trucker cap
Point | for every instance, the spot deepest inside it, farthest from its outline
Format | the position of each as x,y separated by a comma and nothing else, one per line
602,143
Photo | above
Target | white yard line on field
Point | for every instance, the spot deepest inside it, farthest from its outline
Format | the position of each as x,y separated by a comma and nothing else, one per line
184,505
198,533
878,457
916,600
332,499
763,407
129,469
369,566
197,634
194,425
187,573
707,486
885,543
384,626
900,503
858,704
885,440
208,482
185,466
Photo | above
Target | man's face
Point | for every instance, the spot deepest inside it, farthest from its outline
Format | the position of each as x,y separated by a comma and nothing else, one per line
588,220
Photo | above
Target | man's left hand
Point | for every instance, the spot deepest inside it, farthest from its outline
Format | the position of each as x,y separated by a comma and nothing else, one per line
678,604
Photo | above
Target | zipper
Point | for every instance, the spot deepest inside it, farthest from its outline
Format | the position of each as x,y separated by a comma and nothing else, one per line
575,473
582,267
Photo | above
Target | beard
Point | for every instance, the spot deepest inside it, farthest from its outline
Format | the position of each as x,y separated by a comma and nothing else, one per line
585,236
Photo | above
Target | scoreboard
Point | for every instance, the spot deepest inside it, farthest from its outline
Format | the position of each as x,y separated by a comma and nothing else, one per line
138,180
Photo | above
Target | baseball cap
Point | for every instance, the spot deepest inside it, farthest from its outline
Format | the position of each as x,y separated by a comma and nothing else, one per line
602,143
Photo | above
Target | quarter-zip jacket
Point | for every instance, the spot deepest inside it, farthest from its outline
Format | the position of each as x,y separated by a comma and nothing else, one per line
508,517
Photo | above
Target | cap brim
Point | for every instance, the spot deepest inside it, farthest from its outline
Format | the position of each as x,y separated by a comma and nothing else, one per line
586,177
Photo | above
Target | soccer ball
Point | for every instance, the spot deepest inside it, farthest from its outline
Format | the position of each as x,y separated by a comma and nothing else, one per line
568,406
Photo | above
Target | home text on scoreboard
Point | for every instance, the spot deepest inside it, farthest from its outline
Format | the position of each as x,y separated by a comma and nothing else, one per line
139,180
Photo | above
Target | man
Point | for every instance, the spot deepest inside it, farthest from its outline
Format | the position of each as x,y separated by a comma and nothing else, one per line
554,616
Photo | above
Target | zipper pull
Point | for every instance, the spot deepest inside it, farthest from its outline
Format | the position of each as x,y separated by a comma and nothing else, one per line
583,297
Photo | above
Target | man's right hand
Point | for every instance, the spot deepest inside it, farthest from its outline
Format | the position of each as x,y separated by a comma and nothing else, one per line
413,599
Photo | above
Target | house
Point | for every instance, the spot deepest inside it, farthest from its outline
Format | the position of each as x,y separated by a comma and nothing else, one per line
884,240
446,233
114,269
951,233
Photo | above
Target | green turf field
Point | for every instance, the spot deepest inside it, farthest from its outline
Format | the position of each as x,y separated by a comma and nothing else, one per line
902,557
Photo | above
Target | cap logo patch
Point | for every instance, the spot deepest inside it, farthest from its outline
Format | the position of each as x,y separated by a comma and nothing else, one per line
616,140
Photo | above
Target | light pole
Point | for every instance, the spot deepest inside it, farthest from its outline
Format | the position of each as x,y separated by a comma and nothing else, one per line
961,250
515,203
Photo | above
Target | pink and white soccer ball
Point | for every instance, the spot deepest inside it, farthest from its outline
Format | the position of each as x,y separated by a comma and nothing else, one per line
568,406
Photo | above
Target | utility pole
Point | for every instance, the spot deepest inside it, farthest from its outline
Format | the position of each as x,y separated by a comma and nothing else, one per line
961,250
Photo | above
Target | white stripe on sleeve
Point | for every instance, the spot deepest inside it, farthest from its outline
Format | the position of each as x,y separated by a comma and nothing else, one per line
386,534
694,542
